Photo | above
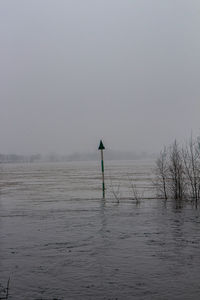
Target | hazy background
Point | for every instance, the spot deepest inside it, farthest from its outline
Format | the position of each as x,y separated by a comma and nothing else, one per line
75,71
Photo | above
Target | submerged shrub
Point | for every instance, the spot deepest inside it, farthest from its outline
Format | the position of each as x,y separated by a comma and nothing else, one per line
178,171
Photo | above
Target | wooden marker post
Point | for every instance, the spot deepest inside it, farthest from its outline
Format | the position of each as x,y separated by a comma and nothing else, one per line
101,147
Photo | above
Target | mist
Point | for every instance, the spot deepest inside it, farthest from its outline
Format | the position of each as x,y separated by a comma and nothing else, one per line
74,72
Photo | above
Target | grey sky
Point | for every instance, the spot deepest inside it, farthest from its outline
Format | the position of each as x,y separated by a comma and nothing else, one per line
75,71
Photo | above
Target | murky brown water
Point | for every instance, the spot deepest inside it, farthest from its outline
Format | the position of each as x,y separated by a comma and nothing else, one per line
59,239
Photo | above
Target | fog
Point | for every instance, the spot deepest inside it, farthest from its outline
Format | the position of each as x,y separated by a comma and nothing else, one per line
75,71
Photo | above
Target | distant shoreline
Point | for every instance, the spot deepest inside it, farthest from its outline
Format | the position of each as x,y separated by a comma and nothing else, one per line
94,156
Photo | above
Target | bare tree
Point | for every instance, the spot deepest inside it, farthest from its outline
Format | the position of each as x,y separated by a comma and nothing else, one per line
170,173
176,172
161,171
191,158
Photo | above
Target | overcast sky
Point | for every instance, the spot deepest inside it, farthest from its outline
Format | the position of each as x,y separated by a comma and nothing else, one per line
75,71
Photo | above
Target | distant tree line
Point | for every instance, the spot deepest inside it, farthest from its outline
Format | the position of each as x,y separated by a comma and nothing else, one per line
14,158
91,156
178,171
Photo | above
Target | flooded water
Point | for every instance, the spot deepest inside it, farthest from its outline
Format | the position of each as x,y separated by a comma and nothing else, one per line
60,240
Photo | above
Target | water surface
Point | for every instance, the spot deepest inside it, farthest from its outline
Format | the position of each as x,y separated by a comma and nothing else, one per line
59,239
